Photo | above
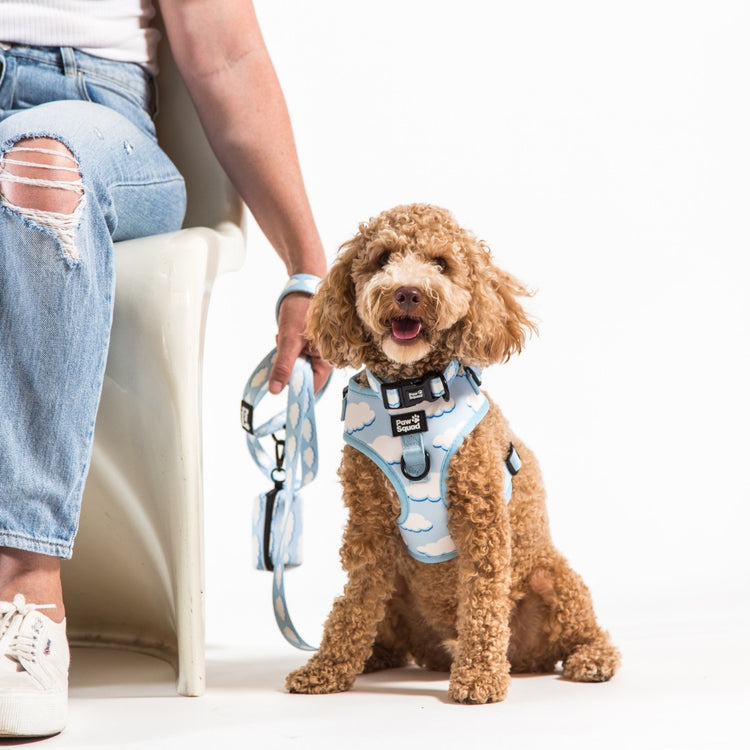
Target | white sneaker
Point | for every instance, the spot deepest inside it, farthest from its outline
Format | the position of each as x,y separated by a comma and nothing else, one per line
34,660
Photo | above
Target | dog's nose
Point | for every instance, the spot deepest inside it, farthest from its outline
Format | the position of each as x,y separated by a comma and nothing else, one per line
408,298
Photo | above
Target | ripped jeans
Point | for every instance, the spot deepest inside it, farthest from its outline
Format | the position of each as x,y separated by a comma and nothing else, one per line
79,169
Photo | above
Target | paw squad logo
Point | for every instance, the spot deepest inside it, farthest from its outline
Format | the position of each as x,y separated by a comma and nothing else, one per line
406,424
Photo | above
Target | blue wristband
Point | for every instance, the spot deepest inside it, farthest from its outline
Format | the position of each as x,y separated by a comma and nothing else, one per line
306,283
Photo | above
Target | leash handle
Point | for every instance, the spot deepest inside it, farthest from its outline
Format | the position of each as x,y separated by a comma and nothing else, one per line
299,282
297,420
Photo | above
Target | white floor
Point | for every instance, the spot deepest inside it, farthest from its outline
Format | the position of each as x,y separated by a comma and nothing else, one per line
683,685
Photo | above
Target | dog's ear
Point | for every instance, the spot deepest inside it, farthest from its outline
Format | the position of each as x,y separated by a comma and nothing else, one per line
332,321
497,325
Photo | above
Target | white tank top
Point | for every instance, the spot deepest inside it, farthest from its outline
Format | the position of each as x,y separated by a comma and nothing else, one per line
114,29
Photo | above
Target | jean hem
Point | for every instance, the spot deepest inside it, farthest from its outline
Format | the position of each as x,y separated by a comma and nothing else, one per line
52,547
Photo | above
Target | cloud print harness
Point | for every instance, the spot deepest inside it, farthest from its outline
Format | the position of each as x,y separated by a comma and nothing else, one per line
413,446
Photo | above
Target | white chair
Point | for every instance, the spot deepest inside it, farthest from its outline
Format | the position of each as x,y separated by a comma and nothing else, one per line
136,578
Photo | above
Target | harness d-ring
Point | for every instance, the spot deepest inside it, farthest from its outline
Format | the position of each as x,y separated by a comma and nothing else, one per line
423,474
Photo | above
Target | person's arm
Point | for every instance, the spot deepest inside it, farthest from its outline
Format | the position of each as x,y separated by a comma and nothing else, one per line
221,55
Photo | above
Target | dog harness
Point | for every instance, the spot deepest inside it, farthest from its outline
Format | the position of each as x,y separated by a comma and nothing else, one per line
411,429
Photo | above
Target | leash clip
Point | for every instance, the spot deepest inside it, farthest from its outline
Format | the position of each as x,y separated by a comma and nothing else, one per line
278,475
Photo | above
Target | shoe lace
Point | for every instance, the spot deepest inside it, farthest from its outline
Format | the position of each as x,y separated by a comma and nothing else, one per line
23,645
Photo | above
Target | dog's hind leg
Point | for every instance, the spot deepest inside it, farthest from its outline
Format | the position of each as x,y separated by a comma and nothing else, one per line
586,650
530,650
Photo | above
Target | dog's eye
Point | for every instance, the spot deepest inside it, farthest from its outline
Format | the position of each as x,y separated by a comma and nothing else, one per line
384,258
441,263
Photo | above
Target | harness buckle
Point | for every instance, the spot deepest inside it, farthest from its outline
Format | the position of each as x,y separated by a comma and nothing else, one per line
414,391
513,460
473,375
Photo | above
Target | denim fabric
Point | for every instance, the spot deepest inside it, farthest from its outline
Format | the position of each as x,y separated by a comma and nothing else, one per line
56,310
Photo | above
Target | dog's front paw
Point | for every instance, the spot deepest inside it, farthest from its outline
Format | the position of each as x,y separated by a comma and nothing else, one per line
593,662
317,678
468,686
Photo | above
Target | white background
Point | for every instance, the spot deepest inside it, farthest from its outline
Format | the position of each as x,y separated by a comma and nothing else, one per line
602,150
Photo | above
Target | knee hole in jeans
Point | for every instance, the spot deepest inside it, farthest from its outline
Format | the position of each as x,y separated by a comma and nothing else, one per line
40,179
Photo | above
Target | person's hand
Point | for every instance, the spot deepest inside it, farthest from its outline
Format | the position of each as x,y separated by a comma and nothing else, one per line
290,344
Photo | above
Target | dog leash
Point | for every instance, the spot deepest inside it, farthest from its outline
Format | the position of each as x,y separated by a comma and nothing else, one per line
293,465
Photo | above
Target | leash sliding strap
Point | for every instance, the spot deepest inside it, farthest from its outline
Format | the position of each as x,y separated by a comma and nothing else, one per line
294,465
300,282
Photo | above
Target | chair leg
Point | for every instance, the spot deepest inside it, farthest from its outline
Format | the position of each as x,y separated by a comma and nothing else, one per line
136,579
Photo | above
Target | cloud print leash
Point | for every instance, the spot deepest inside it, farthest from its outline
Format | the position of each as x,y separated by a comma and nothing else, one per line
278,526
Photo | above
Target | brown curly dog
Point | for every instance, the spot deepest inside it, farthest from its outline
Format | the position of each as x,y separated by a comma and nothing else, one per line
411,293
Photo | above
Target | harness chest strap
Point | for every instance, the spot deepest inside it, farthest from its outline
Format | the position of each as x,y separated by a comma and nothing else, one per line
413,446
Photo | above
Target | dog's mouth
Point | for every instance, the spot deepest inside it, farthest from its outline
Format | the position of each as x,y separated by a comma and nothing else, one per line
406,329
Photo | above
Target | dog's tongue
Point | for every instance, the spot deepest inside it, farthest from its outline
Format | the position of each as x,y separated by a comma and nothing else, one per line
406,328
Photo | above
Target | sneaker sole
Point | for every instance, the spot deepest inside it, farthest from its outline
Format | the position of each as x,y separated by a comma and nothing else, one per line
33,715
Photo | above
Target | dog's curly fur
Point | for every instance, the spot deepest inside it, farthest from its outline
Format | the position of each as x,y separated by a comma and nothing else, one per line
509,601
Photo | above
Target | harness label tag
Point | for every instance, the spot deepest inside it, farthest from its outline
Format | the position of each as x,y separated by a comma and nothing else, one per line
413,394
246,417
407,424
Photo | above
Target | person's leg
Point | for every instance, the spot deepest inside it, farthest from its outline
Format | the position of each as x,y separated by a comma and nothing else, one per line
74,176
35,576
40,178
